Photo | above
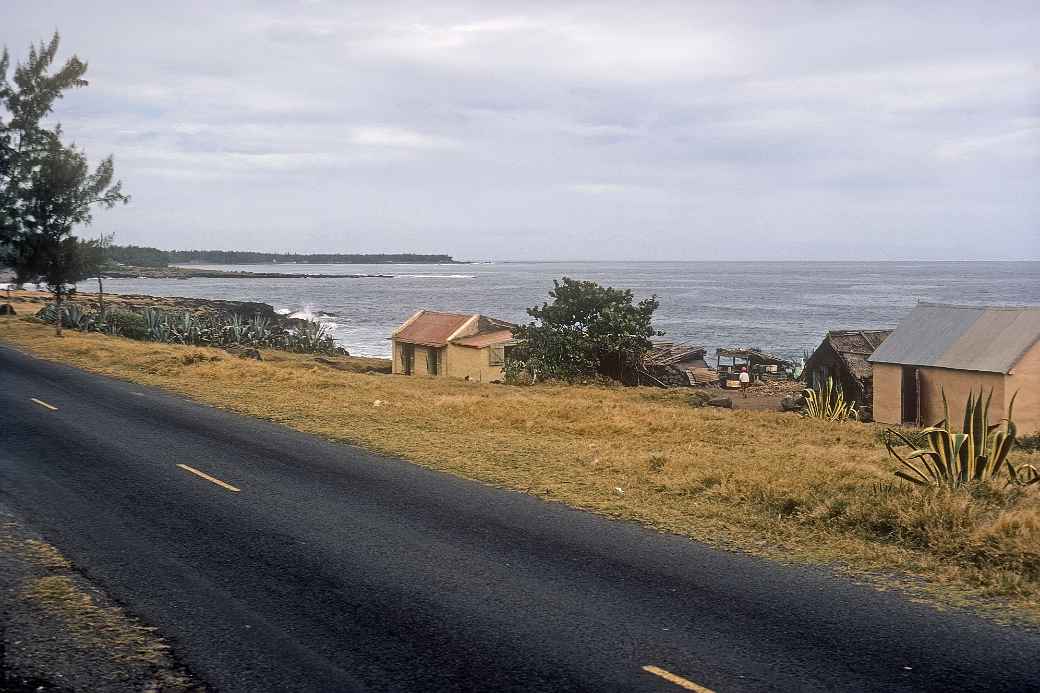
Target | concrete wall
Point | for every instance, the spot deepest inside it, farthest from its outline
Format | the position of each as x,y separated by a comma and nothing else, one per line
455,361
467,362
396,355
419,367
888,393
1025,379
957,385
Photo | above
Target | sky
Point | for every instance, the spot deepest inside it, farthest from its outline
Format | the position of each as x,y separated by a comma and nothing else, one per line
561,130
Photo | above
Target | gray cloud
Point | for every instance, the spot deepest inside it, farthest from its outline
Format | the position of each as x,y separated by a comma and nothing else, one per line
562,130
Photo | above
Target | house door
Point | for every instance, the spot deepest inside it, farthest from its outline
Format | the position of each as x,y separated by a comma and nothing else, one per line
408,358
911,396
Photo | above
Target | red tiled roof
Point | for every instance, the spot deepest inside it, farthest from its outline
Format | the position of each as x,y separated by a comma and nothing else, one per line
431,328
483,339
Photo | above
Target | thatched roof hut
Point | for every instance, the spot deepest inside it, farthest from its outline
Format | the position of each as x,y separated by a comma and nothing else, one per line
843,356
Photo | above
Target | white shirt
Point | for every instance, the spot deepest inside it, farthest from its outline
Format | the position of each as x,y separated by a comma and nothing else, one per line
745,377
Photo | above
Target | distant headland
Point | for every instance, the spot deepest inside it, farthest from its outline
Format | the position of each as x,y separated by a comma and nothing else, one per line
139,256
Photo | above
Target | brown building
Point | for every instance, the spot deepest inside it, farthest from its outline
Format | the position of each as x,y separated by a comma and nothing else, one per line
469,346
957,349
843,356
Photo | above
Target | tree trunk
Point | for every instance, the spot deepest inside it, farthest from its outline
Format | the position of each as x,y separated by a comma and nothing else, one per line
101,298
57,305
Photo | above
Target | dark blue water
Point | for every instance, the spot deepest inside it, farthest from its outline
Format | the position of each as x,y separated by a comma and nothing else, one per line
783,307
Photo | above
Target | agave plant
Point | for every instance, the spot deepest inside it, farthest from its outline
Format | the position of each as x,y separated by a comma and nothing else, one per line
75,317
978,453
47,313
235,330
312,337
156,324
259,330
827,402
187,329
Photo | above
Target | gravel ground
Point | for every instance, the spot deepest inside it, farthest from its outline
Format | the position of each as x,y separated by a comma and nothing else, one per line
60,633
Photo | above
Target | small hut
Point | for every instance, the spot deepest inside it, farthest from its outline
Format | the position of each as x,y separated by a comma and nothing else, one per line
948,352
677,365
760,364
843,356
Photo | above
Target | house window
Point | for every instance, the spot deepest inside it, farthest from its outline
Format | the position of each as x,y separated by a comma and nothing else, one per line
432,358
408,358
496,355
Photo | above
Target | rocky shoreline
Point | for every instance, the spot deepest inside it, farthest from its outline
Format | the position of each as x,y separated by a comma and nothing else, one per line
207,307
193,273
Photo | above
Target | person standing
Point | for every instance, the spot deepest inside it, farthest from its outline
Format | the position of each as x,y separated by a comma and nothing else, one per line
745,382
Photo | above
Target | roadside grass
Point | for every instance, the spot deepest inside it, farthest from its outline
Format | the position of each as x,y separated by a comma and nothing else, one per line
767,483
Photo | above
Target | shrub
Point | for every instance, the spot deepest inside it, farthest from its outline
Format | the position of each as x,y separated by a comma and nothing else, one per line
827,402
587,329
126,323
188,328
953,459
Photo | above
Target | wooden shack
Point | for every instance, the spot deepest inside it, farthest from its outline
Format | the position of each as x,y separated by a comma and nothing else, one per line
677,365
843,356
759,363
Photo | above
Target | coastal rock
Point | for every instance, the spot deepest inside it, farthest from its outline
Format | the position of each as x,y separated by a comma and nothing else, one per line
724,402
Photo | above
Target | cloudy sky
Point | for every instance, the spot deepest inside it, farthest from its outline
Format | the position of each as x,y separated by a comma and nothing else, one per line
561,130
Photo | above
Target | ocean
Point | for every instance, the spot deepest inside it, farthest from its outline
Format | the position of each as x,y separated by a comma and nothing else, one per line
781,307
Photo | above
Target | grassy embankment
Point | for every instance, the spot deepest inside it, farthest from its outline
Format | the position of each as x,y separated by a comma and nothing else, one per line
769,483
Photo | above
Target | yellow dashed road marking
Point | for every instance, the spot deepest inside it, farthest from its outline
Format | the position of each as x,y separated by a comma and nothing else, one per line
677,680
207,477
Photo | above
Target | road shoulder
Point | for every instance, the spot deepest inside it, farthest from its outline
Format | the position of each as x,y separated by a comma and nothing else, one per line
58,632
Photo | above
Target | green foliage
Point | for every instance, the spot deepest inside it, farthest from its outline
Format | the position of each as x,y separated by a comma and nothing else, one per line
827,402
25,102
46,186
126,323
24,256
156,325
246,257
137,256
587,329
952,459
94,254
140,256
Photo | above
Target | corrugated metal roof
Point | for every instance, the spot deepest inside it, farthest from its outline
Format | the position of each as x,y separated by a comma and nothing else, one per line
430,328
970,338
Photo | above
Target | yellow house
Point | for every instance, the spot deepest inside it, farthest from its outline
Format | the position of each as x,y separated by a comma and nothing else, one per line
956,350
456,345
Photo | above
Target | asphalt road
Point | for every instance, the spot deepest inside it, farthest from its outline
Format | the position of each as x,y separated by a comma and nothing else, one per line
334,569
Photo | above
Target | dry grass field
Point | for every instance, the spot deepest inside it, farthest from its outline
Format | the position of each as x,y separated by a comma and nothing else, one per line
768,483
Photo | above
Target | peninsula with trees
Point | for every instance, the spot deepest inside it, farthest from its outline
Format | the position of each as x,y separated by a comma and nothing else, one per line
133,261
137,256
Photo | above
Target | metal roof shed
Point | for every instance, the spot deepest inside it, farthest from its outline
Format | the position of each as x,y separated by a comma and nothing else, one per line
956,350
